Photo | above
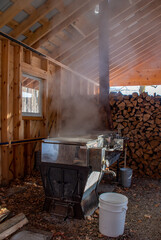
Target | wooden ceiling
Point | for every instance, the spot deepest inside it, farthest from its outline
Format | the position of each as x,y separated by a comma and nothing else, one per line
67,30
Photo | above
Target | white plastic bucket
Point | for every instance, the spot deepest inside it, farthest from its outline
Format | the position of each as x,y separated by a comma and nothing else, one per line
112,214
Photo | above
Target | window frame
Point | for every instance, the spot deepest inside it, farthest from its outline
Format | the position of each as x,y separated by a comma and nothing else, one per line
26,115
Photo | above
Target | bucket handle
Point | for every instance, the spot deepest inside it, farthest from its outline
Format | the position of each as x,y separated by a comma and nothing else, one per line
124,208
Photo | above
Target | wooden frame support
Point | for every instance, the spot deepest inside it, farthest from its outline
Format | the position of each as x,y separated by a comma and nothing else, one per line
58,76
54,103
27,148
5,64
45,105
17,112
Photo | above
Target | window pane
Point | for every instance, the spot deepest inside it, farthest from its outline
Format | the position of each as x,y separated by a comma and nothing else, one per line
31,96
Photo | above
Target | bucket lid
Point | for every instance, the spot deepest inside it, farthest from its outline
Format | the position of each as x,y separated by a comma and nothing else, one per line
114,198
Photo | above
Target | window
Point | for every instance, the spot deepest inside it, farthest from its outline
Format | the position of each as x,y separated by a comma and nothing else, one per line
31,96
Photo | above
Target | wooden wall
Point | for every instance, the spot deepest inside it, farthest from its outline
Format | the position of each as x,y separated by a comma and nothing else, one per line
16,160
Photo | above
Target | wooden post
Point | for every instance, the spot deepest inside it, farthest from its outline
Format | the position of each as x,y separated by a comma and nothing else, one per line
27,148
44,107
44,64
58,72
84,87
54,92
0,120
104,62
81,87
27,56
5,109
71,83
76,85
17,112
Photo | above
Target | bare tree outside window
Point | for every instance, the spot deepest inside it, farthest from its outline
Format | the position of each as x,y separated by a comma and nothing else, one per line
31,96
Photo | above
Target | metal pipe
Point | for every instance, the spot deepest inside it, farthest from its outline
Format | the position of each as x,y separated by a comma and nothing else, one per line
110,171
22,44
20,141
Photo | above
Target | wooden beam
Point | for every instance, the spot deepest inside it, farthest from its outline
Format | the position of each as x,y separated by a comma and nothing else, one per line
5,66
58,82
12,11
94,72
34,71
54,100
134,56
27,68
17,95
83,64
27,147
59,22
0,116
78,30
135,31
74,47
139,13
73,33
27,56
145,56
81,53
44,102
53,23
28,82
87,23
86,57
35,17
17,112
133,46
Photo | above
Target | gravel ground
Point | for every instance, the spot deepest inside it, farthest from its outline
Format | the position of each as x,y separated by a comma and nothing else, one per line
143,217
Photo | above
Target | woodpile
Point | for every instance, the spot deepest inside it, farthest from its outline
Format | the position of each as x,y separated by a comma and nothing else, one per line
138,117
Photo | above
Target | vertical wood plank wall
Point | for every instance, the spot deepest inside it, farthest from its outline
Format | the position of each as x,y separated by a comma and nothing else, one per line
58,83
5,116
0,108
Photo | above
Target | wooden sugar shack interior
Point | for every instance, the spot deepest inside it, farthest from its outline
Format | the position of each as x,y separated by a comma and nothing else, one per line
58,42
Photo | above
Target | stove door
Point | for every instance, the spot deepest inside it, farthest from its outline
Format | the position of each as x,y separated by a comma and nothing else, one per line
64,182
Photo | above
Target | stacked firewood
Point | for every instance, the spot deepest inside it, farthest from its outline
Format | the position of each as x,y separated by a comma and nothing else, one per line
138,117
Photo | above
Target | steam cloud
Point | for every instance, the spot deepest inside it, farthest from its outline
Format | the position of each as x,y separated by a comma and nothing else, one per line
80,115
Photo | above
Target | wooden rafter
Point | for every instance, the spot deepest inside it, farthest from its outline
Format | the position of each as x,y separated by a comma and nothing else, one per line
35,17
76,46
81,32
12,11
130,63
85,62
137,53
70,36
70,13
139,41
82,52
136,30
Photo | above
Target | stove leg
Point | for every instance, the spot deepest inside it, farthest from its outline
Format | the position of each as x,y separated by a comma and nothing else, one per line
47,204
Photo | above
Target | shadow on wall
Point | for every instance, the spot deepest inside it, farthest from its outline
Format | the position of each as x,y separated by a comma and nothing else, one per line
80,115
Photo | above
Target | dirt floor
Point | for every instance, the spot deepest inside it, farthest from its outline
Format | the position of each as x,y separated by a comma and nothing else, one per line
143,217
